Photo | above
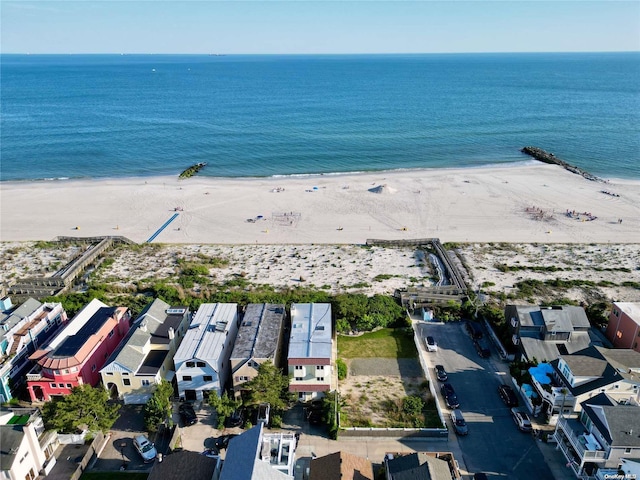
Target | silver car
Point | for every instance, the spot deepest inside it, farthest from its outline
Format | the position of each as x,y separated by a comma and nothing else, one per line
145,448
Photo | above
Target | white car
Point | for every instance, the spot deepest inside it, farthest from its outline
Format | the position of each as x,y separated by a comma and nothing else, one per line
521,419
432,346
145,448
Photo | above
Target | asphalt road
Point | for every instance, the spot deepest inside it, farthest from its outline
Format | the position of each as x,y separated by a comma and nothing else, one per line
494,444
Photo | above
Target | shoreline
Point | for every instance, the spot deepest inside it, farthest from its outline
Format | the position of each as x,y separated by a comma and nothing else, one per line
507,203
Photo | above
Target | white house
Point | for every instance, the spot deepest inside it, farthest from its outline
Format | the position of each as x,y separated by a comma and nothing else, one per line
311,354
202,361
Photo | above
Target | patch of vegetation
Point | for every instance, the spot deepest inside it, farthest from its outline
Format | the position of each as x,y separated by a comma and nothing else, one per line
383,343
359,312
158,408
342,369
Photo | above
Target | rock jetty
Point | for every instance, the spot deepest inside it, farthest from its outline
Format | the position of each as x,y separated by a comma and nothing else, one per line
547,157
192,170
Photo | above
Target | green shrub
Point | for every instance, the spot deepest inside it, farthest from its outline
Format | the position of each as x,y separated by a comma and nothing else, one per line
342,369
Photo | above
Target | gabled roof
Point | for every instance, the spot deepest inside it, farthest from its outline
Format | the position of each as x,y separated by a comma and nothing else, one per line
626,361
259,333
589,362
207,333
241,454
310,330
418,466
340,465
184,465
618,424
153,323
12,437
560,318
11,319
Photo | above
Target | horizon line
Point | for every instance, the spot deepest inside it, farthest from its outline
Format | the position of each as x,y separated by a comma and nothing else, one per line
214,54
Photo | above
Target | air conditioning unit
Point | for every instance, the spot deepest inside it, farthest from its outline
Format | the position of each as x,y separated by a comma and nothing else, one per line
515,339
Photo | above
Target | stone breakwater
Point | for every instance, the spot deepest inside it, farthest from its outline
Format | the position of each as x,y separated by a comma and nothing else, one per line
547,157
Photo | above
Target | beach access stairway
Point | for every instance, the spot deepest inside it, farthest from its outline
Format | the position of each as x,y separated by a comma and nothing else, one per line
61,280
417,296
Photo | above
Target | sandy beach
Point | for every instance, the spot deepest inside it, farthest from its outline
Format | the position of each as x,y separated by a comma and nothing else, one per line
524,203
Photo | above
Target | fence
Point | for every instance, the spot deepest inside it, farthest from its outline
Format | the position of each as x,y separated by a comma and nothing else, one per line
94,450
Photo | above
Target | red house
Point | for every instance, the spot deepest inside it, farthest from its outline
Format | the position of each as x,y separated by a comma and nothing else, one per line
76,355
623,330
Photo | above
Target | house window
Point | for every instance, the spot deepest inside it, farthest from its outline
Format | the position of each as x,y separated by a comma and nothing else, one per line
186,378
619,334
69,385
191,364
298,367
299,379
93,367
112,333
200,364
320,379
74,369
125,373
207,378
65,372
146,383
53,385
61,385
627,450
109,373
320,367
126,381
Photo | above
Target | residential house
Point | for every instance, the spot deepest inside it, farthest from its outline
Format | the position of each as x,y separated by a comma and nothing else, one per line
185,465
623,328
78,352
598,442
26,449
340,465
543,333
22,331
311,354
202,361
145,356
259,340
255,455
574,378
422,465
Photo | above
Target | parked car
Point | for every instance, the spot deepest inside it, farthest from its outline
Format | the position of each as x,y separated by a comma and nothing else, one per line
432,346
522,420
211,452
508,396
459,423
441,373
222,441
449,395
145,448
474,329
263,413
188,414
482,348
315,412
236,419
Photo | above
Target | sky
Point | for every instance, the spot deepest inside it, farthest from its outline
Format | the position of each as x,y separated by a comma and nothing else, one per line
307,27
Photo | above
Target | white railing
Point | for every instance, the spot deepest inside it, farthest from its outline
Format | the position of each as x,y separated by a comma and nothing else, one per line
581,450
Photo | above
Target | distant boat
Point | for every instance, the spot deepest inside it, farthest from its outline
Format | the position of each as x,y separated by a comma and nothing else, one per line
153,70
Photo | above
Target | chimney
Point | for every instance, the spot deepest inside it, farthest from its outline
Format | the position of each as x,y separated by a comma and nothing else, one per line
172,333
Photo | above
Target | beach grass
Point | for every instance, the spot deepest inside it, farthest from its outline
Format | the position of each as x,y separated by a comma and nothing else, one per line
383,343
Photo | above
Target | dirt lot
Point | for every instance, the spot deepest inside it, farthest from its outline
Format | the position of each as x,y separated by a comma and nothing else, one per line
373,384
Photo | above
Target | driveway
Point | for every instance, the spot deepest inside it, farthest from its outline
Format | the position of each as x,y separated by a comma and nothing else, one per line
494,444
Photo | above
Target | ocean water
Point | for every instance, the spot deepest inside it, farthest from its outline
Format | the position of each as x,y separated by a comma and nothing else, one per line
70,116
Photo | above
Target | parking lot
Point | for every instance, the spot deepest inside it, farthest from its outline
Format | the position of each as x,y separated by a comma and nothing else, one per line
494,444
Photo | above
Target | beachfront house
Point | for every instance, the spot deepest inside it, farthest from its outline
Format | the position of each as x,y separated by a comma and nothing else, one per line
597,442
574,378
623,329
26,449
256,455
311,354
543,333
259,340
76,355
22,331
145,357
202,360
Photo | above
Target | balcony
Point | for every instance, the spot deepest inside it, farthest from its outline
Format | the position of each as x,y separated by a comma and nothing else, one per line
573,439
553,393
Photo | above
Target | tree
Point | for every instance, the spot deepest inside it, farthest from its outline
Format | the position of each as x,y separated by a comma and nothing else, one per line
85,407
158,408
224,406
269,386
